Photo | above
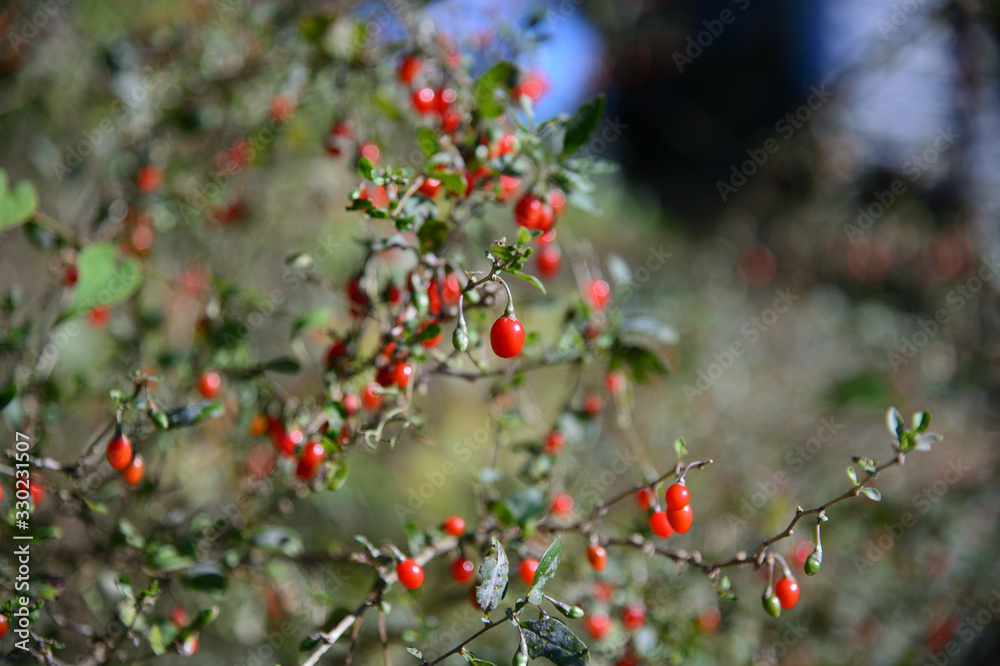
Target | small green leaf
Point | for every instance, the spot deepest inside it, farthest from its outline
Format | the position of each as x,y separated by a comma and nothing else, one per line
278,538
16,205
416,653
427,141
921,421
366,168
494,571
337,476
132,536
7,396
872,494
530,278
680,447
852,475
582,125
523,236
104,278
317,318
206,576
194,413
429,332
551,639
432,235
894,421
500,75
453,182
283,365
547,568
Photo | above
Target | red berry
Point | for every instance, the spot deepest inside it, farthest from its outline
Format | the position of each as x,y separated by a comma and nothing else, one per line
209,384
678,496
351,403
258,425
335,140
533,213
597,556
99,316
644,498
546,238
451,120
787,591
386,375
335,353
680,519
401,374
597,624
708,619
4,625
634,617
371,397
286,440
593,404
282,108
562,505
370,150
614,381
527,570
189,647
149,179
507,337
179,617
310,460
439,295
660,524
409,68
555,442
411,575
508,186
549,260
454,525
445,97
134,471
71,276
598,294
36,490
463,571
508,143
557,199
425,100
430,187
603,591
119,452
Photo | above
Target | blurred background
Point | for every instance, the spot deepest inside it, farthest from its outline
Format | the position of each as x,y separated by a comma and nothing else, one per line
816,181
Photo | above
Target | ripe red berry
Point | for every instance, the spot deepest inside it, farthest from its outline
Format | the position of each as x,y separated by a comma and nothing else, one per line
678,496
209,384
597,294
4,625
310,460
593,404
370,150
134,471
548,237
335,353
36,490
285,441
99,315
597,556
411,575
371,397
444,98
336,139
507,185
425,100
357,297
71,276
597,624
680,519
787,591
463,571
507,337
451,120
258,425
149,179
634,617
557,199
562,505
430,187
555,442
527,570
351,403
660,524
549,260
189,647
644,498
386,375
533,213
614,381
709,619
401,374
454,525
508,143
409,67
119,452
179,617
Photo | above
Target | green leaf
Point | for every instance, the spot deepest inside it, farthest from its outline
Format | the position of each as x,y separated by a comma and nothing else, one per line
530,278
921,421
852,476
523,236
194,413
317,318
283,365
7,396
547,568
471,658
158,640
16,205
337,477
104,278
872,494
452,182
642,363
494,570
526,503
278,538
366,168
429,332
132,536
551,639
582,125
416,653
894,422
166,559
500,75
427,141
680,447
206,576
205,617
432,235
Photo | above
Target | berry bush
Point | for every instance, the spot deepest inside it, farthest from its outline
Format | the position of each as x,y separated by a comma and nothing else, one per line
225,393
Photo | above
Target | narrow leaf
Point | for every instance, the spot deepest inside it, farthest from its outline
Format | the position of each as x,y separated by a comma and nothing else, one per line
852,475
872,494
547,568
582,125
494,570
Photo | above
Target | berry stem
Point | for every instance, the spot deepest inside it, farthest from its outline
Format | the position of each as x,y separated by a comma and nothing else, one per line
509,312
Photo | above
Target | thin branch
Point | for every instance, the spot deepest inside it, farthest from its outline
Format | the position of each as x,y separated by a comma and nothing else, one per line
461,646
